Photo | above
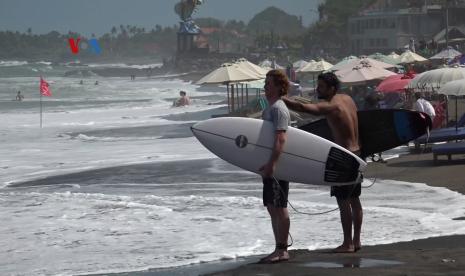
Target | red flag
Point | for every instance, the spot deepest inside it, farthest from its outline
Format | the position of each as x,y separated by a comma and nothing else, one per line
44,90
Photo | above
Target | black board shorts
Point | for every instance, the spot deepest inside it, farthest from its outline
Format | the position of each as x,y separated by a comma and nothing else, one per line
275,194
347,191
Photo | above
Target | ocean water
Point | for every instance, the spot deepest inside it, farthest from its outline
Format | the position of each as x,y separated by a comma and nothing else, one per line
115,181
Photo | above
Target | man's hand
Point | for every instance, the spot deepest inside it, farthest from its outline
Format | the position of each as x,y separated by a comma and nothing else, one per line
267,170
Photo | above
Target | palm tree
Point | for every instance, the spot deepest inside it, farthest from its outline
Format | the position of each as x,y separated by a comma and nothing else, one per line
113,31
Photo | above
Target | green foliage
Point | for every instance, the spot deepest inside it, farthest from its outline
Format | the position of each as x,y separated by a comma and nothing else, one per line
275,20
330,32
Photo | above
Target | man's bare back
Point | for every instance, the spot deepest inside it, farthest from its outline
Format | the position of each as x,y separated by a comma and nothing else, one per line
343,122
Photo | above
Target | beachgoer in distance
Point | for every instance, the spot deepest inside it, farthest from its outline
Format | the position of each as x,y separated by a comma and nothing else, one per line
183,100
19,97
424,106
275,191
341,113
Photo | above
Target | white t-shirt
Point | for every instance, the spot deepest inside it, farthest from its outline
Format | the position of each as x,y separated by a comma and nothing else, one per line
424,106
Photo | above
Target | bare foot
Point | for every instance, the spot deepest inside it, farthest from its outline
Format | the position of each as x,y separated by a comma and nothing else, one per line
344,249
275,257
357,246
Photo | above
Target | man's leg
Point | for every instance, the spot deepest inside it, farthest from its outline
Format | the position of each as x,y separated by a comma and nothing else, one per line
357,213
281,223
346,221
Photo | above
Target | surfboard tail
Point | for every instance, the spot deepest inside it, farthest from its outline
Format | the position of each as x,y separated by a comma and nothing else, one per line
341,167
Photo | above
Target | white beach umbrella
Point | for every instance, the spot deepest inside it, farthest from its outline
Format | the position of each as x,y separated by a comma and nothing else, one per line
410,57
453,88
268,64
360,74
226,73
343,61
446,54
299,64
361,62
435,79
384,58
364,61
249,66
316,67
457,89
393,55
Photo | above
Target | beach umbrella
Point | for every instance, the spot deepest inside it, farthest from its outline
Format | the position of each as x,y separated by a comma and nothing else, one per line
362,73
300,64
435,79
410,57
395,83
316,67
393,55
268,64
447,54
384,58
343,61
361,62
249,66
456,89
228,72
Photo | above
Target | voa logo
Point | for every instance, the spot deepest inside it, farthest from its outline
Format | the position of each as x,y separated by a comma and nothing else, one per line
91,45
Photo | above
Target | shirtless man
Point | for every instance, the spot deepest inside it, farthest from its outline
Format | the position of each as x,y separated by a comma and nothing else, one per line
341,113
183,100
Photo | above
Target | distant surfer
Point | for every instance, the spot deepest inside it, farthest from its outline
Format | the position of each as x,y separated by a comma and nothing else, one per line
19,97
183,100
275,191
341,113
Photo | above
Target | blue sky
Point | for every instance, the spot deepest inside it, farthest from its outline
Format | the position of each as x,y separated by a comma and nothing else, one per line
98,16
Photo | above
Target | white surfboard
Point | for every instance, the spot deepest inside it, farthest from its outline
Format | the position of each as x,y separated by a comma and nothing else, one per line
306,158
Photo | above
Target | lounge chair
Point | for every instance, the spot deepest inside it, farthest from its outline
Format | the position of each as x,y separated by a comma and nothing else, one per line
448,149
442,135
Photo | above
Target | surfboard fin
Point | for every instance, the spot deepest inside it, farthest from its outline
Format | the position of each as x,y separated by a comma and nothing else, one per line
341,167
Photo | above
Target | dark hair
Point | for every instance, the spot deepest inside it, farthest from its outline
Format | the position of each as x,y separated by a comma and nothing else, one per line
280,80
182,92
417,95
330,79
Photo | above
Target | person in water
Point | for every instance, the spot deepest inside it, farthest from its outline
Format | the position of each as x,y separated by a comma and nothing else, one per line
19,97
183,100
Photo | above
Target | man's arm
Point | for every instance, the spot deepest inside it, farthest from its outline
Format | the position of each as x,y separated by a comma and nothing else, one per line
322,108
278,146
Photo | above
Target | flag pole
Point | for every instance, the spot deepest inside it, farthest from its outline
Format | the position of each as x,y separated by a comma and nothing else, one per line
40,109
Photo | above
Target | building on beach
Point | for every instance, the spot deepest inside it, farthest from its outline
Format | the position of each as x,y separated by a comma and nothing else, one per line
389,25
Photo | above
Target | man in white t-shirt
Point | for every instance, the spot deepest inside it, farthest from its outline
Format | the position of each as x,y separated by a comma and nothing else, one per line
424,106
